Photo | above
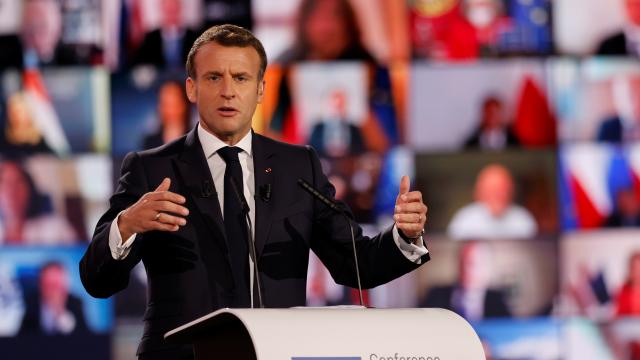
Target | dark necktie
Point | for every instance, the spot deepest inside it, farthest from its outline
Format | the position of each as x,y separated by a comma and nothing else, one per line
235,227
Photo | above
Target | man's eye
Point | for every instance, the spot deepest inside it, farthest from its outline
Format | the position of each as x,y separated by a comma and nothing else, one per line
241,78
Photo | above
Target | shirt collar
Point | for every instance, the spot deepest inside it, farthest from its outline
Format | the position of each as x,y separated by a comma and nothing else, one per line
211,144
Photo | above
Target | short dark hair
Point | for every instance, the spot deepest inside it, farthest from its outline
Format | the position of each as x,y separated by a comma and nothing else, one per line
227,35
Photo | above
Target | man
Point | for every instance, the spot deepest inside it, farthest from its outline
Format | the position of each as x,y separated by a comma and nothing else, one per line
472,297
189,230
493,215
54,311
169,45
624,126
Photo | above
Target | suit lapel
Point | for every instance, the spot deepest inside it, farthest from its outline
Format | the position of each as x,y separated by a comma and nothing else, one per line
194,171
263,159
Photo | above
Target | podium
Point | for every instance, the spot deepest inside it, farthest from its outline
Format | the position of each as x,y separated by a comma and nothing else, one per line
330,333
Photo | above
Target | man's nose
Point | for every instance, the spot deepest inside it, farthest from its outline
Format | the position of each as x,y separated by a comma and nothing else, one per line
227,90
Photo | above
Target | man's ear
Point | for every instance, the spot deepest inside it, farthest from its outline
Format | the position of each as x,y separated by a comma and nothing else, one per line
261,86
190,86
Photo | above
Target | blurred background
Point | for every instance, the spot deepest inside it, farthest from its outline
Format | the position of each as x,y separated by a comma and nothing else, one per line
519,120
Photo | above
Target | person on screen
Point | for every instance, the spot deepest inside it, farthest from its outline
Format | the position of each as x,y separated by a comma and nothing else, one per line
627,40
627,210
624,126
53,310
335,135
489,22
494,132
472,296
169,45
21,134
26,216
326,30
41,35
628,298
492,215
174,112
177,209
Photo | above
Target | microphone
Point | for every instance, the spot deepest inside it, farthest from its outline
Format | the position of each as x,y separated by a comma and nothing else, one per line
335,207
265,192
250,241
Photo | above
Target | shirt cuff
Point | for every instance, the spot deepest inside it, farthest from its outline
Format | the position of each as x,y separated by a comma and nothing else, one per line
119,251
413,252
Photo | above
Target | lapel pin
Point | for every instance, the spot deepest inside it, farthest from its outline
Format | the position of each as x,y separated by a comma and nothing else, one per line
267,170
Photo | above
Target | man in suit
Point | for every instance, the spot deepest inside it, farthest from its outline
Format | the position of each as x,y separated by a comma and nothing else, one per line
189,230
471,297
169,45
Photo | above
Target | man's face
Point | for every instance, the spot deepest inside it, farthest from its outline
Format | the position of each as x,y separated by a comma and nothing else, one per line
494,188
54,288
14,191
226,89
171,105
41,27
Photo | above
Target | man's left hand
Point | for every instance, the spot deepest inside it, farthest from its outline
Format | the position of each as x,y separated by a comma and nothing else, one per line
410,213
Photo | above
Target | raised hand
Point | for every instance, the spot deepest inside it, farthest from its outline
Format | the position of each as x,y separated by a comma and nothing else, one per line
410,213
160,210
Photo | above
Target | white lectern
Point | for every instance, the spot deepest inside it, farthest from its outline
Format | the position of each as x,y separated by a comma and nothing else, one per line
330,333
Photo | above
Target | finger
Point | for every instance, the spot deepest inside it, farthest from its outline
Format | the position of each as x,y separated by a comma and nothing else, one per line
411,207
170,207
404,185
158,226
170,219
409,218
411,196
164,185
168,196
410,228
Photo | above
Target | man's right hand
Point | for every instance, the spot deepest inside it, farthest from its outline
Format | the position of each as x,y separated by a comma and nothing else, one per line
160,210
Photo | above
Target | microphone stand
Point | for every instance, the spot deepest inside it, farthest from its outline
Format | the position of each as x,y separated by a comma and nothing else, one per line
333,206
250,240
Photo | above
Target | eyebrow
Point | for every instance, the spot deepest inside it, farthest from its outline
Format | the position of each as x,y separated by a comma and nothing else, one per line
216,72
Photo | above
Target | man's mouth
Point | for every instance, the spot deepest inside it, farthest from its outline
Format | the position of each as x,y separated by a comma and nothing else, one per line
227,111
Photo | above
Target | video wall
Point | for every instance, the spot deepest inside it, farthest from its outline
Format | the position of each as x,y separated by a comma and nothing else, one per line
519,121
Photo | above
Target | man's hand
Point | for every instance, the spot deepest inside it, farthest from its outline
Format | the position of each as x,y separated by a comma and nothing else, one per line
410,212
158,210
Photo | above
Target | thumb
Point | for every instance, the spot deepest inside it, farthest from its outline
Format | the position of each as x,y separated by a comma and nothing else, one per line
164,185
404,185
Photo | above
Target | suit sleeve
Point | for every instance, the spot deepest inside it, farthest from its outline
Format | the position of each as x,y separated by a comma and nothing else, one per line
102,275
379,257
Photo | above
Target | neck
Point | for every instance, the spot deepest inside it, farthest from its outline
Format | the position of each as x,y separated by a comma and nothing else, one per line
229,138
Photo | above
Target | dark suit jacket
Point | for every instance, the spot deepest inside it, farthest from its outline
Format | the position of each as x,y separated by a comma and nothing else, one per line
442,297
31,320
610,130
189,271
613,45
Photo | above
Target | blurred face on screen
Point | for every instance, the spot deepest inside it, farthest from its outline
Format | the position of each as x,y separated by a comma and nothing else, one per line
54,287
171,105
14,191
226,90
632,8
326,30
171,13
493,115
634,269
482,13
475,266
494,189
41,27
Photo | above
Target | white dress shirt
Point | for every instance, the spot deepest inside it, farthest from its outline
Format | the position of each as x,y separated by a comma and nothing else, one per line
210,145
